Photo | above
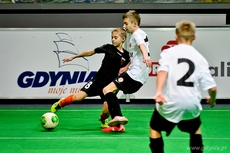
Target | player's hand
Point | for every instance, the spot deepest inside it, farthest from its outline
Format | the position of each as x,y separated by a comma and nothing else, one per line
122,70
148,62
210,102
159,98
68,59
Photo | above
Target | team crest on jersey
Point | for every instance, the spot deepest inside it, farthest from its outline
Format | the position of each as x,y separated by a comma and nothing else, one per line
120,79
122,61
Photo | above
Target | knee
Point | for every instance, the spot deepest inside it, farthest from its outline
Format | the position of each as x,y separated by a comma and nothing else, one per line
154,134
105,90
110,88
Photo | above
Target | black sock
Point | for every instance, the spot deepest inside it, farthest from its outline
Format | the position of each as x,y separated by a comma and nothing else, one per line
196,145
113,104
157,145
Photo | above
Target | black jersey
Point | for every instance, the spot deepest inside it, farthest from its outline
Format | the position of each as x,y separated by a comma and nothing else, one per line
111,63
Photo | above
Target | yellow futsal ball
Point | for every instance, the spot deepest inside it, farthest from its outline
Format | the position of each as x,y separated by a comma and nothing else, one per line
49,121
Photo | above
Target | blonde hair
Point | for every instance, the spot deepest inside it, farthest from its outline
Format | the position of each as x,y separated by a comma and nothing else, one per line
133,16
186,29
121,32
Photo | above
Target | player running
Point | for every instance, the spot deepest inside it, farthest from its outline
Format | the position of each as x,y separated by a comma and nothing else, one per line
181,74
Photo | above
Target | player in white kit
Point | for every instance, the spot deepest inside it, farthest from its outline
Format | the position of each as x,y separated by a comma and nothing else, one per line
136,75
181,74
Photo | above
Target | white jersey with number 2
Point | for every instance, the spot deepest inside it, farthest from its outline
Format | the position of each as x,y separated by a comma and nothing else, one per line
138,70
188,72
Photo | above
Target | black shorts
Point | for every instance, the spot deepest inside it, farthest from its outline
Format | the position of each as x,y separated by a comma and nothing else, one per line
94,88
125,83
159,123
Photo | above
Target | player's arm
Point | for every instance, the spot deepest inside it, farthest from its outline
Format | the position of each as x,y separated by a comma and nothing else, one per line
82,54
161,79
146,58
125,68
212,99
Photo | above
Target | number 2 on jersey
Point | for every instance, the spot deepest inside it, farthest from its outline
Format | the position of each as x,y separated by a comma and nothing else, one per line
182,81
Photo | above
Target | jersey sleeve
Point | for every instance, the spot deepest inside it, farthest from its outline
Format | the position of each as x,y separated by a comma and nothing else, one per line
102,49
138,38
163,62
205,77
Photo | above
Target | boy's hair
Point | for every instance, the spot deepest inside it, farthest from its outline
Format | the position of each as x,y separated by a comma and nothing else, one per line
133,16
185,29
121,32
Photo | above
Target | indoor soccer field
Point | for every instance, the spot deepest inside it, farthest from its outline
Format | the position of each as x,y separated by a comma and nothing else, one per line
79,131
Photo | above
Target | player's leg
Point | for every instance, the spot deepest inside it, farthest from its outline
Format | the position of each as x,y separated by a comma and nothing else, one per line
104,115
72,98
157,125
193,128
110,92
105,111
105,126
89,89
156,141
196,144
113,105
125,83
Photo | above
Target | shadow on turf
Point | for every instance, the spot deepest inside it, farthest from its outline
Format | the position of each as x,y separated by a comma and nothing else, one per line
90,130
48,130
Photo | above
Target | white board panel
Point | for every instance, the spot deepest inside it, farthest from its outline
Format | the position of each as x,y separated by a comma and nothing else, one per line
31,65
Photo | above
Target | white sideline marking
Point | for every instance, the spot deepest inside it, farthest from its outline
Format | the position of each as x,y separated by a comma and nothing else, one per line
80,137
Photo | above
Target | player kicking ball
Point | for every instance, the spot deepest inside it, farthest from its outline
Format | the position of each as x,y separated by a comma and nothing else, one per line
115,61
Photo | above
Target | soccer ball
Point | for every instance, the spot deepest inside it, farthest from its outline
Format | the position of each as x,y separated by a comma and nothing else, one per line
49,121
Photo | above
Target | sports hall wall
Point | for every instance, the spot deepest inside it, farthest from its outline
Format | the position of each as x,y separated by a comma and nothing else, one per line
34,40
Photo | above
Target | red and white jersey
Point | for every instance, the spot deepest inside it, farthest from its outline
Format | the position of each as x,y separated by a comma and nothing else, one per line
138,69
188,72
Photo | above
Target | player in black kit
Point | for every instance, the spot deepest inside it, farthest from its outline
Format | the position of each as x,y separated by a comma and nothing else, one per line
115,61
